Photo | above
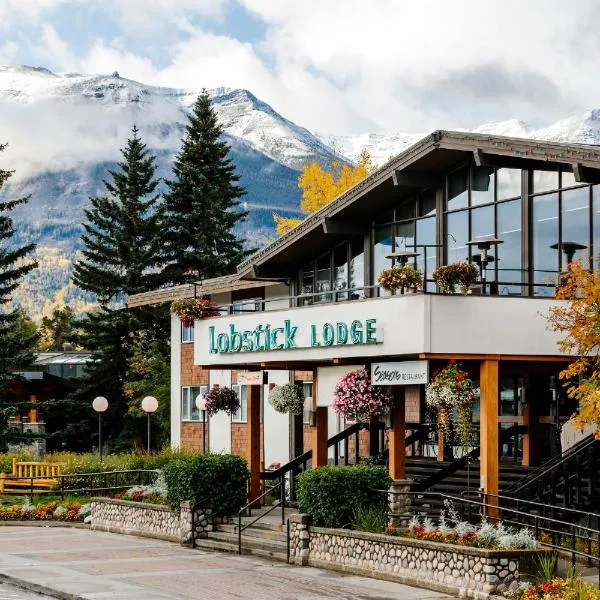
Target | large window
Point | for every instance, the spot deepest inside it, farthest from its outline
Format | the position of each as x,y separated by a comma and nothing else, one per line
337,271
562,211
412,229
483,202
189,393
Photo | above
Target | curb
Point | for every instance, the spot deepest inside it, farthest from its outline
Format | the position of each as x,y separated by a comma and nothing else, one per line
23,584
45,523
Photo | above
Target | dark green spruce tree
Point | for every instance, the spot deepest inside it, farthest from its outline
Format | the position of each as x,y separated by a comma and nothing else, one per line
17,343
121,248
202,204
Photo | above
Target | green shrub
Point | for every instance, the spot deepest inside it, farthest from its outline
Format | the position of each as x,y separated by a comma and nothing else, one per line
219,480
331,495
369,518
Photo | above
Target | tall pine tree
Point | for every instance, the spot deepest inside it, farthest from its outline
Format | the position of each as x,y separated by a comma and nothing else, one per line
122,244
202,203
17,343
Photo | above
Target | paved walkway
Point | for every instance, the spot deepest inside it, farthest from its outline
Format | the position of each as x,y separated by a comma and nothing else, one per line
89,565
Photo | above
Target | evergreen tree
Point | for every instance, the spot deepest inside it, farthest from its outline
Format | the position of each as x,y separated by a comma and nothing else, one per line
17,343
202,203
17,335
121,239
122,243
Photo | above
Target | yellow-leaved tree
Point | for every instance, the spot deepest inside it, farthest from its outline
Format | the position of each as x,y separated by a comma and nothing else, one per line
320,186
579,320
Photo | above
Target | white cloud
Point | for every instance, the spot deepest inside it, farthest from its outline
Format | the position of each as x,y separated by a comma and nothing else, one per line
348,65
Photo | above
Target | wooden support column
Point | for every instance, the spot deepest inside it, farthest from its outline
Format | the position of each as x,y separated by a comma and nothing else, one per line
319,438
531,438
33,412
489,466
397,435
253,452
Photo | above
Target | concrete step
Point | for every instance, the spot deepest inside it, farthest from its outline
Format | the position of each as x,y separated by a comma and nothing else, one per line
257,532
247,548
250,541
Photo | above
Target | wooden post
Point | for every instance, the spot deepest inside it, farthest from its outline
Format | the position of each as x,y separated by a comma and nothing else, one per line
489,432
531,438
254,441
319,438
397,435
33,412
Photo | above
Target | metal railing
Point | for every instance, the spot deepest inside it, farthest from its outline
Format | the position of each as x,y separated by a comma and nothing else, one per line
247,510
86,484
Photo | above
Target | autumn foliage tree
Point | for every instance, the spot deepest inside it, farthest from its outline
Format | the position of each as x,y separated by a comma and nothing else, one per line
578,319
320,186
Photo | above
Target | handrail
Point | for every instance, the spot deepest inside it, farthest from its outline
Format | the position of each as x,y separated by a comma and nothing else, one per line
572,452
460,462
306,456
248,507
533,503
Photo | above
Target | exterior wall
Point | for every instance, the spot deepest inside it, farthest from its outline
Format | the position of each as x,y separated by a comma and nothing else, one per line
464,571
220,424
276,445
175,381
422,319
191,436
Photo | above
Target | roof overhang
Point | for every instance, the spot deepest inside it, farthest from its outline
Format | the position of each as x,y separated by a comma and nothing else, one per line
417,168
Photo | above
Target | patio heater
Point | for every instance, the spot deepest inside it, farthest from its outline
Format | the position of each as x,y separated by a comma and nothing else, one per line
100,404
149,406
201,406
484,245
569,248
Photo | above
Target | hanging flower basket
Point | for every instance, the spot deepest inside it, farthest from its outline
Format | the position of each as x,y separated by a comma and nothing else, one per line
190,309
451,394
357,400
463,274
221,399
288,398
400,276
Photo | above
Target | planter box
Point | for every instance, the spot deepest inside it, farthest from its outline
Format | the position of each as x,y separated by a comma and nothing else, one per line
472,572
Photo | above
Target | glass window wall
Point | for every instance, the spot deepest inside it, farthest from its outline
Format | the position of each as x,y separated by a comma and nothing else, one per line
545,229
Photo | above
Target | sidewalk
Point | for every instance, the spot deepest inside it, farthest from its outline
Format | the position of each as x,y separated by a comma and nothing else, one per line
79,564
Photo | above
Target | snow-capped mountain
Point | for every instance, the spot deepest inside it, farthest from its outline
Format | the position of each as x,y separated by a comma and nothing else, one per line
65,131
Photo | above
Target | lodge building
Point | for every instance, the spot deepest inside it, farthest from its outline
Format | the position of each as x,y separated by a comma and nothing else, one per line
307,308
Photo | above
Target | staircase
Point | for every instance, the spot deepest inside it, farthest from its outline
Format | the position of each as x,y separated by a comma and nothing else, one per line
465,478
570,480
265,538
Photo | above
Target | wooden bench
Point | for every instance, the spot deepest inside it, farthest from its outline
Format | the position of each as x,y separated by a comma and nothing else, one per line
43,474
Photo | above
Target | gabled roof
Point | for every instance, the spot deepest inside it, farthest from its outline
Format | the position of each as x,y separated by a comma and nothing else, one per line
434,153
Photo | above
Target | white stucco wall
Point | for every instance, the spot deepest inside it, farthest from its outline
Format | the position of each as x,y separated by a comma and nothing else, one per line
219,427
276,425
175,381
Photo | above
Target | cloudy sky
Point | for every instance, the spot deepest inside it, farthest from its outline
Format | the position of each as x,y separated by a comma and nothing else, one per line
340,66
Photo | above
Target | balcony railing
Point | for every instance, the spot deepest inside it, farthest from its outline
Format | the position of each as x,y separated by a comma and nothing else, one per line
364,293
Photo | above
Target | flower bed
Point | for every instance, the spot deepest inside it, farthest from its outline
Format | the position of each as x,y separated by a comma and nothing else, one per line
559,589
450,568
49,511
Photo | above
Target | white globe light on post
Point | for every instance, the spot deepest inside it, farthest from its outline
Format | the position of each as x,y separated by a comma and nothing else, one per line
149,406
100,404
201,406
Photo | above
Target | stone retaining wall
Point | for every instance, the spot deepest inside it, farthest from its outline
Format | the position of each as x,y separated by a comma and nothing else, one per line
149,520
472,572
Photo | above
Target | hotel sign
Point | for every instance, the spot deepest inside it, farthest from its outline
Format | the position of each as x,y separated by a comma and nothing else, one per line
288,335
400,373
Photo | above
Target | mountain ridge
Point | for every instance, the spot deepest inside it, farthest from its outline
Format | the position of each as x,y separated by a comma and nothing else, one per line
65,130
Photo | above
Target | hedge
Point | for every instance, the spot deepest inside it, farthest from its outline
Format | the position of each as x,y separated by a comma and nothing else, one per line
330,495
219,481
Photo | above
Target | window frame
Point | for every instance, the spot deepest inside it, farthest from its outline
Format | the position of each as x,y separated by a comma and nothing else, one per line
202,389
237,387
182,336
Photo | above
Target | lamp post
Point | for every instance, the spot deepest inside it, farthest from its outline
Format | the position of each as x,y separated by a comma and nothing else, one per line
484,245
100,404
149,406
201,406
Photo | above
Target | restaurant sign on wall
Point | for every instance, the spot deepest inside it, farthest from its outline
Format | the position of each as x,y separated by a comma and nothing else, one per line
412,372
288,336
